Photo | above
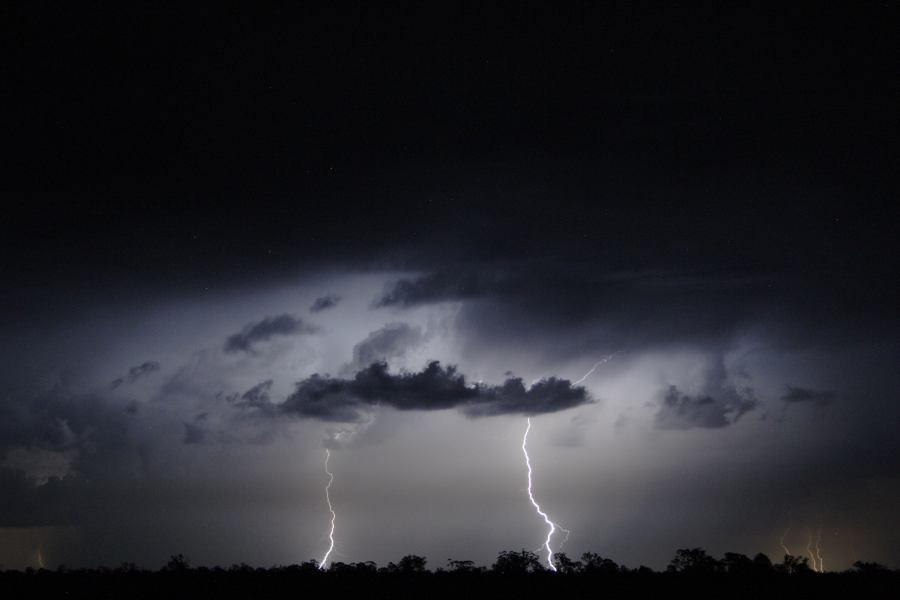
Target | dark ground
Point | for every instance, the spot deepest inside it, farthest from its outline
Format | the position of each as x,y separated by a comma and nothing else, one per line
514,575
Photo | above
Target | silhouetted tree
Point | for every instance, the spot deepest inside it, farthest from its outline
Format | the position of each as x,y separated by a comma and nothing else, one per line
309,566
463,566
340,567
365,567
127,567
240,568
762,563
737,564
177,563
870,568
566,565
693,561
357,568
593,563
510,562
410,563
794,565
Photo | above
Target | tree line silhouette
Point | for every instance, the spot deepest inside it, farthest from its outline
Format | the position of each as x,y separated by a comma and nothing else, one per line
519,574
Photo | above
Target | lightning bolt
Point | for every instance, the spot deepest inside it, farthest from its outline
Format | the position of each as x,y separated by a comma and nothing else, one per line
819,550
324,562
40,559
553,526
809,550
550,524
594,368
781,541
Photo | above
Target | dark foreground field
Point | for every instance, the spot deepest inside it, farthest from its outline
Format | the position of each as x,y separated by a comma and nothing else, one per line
692,574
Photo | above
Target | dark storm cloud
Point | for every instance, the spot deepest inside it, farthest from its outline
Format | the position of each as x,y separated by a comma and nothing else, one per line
546,396
264,330
27,505
719,402
324,303
433,388
391,341
58,421
800,394
256,401
683,411
576,305
564,310
135,373
543,280
89,439
257,396
442,286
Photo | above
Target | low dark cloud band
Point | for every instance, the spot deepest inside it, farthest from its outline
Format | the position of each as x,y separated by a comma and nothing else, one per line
433,388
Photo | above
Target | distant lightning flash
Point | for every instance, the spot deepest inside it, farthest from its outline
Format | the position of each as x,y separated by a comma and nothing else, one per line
814,551
553,526
781,541
594,368
324,562
818,549
809,548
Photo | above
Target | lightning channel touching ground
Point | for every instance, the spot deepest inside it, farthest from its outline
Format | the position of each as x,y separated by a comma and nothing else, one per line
818,549
781,541
809,550
324,562
552,526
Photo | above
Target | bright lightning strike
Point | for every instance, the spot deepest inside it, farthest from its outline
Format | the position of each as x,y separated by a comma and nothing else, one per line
552,526
324,562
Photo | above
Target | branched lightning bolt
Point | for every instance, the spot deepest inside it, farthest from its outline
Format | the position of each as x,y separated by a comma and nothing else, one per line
553,526
324,562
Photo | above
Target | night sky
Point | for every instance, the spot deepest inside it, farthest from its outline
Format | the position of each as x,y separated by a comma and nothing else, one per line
232,241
